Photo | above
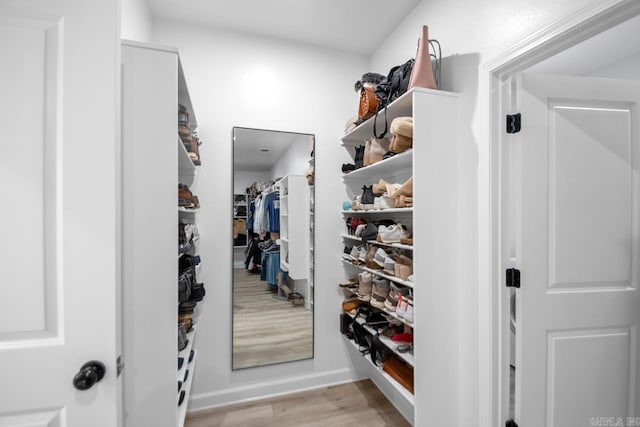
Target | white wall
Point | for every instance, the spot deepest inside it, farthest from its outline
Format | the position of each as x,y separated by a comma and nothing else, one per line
627,69
472,33
244,179
294,161
241,80
137,21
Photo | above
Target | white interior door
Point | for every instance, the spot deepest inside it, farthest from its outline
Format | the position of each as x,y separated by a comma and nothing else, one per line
58,258
577,344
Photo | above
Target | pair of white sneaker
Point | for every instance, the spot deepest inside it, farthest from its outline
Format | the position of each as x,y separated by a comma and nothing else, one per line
392,234
404,309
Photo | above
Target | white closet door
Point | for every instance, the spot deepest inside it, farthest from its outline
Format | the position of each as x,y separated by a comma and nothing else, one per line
577,347
58,258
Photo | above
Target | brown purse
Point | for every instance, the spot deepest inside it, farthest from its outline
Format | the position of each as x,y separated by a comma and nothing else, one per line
368,103
400,371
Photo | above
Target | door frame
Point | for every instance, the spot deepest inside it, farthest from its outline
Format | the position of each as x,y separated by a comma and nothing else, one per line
493,170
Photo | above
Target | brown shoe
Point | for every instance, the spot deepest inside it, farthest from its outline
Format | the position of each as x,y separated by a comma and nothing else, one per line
194,153
405,189
184,131
185,198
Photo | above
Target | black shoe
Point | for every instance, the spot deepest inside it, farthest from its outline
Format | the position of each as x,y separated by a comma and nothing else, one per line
348,167
359,158
197,292
367,195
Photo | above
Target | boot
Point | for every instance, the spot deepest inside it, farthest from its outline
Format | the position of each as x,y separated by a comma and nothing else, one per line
379,147
359,157
367,149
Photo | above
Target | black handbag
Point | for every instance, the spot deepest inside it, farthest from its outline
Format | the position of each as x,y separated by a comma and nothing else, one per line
345,325
184,286
391,88
379,352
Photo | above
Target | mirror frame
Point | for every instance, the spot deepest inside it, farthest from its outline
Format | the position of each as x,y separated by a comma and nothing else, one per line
312,237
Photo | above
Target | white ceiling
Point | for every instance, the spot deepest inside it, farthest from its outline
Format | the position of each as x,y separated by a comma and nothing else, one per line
353,25
600,51
249,147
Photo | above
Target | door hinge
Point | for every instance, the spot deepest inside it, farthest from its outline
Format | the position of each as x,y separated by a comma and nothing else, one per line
513,278
511,423
119,366
513,123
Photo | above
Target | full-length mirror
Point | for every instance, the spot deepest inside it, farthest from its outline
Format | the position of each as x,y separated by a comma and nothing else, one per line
273,210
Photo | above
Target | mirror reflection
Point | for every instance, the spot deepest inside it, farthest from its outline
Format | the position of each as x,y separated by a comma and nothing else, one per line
273,200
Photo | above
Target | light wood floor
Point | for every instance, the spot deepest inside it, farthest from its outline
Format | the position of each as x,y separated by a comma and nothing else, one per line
354,404
267,330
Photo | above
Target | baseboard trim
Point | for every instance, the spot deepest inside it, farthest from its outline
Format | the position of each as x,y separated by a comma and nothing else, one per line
249,393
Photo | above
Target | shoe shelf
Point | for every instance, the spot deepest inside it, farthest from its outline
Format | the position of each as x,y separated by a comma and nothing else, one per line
396,385
186,386
394,279
375,242
186,167
184,210
393,346
388,342
403,106
185,354
377,211
396,317
392,166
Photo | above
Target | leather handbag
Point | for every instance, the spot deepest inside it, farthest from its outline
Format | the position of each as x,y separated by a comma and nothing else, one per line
368,103
400,371
395,85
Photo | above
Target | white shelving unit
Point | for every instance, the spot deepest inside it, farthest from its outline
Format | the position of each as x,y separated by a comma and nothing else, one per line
186,370
187,172
294,226
154,161
434,163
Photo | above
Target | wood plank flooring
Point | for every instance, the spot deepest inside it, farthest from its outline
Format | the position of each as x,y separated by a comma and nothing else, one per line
267,330
353,404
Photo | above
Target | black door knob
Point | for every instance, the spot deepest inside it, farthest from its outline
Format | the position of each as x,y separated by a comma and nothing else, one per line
90,373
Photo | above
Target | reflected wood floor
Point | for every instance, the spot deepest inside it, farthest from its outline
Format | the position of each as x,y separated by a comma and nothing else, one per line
267,330
353,404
